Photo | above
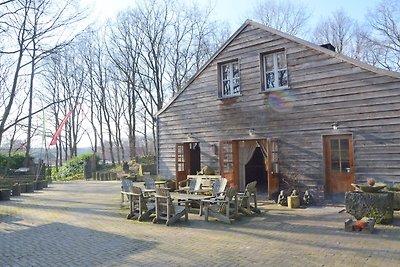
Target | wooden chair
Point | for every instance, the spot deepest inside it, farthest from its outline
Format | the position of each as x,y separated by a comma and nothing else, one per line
193,185
223,209
244,199
166,210
126,187
140,206
149,186
219,186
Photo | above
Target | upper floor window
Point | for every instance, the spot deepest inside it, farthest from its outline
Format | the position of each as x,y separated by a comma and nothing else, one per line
275,70
230,79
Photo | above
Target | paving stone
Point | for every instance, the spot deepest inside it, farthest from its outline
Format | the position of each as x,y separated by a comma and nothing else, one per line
82,224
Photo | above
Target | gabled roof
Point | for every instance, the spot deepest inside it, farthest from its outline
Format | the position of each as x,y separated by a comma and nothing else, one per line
289,37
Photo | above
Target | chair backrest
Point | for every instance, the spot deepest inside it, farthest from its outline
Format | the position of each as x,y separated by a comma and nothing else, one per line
219,186
194,184
251,188
138,197
149,183
163,200
230,193
126,185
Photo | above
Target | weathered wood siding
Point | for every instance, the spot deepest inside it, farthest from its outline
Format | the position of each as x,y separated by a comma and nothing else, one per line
324,88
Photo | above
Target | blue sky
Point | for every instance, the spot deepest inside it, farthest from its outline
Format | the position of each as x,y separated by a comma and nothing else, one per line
237,11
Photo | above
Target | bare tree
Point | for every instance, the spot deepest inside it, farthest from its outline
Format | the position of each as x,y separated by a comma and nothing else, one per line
39,28
337,29
282,15
384,36
17,27
124,51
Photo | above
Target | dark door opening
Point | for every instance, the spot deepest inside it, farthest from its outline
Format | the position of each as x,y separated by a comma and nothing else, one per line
256,171
195,165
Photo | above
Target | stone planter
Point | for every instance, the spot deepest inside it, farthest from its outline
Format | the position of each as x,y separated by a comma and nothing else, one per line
396,200
39,185
23,187
5,194
378,206
30,187
16,190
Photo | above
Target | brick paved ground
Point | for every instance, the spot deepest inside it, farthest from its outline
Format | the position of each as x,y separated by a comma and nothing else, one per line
82,224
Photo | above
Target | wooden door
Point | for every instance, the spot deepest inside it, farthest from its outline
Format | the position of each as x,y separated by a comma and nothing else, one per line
339,163
229,161
272,167
269,148
182,161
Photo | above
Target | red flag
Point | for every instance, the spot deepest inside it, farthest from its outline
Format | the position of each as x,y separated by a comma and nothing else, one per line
59,129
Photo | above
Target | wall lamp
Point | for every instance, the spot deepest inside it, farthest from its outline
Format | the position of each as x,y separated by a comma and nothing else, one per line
251,132
335,125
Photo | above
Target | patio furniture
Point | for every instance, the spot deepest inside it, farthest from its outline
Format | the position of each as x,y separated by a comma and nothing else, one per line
193,199
139,205
149,186
126,186
219,186
244,199
166,210
223,209
192,185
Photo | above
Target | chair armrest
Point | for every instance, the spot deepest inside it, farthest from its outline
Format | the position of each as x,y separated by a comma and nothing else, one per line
215,201
183,182
158,196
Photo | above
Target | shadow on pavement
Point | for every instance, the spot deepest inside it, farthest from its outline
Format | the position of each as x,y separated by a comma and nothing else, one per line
59,244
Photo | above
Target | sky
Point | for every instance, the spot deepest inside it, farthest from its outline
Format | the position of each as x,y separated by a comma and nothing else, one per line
237,11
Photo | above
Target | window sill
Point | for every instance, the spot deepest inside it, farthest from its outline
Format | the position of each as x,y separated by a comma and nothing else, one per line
276,89
228,97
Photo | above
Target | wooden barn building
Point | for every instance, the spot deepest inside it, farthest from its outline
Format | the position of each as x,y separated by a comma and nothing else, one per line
274,108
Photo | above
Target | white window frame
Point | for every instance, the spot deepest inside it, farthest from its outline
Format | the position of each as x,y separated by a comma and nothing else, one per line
275,71
231,79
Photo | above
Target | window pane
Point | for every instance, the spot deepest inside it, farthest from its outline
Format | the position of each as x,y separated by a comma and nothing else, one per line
235,67
344,144
345,167
335,166
335,144
181,166
269,62
335,156
236,86
225,72
282,78
270,80
281,59
226,88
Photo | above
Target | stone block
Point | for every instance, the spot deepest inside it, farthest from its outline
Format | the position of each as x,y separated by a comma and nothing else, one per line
396,200
378,206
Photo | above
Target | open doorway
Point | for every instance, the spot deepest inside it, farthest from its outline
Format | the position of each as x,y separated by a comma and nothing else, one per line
195,165
255,170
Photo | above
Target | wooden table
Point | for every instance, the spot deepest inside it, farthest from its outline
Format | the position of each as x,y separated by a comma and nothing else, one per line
160,184
191,198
